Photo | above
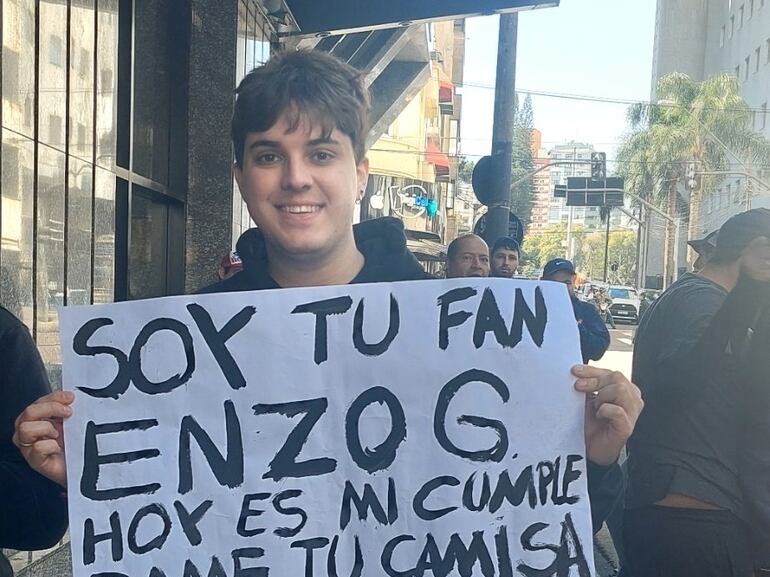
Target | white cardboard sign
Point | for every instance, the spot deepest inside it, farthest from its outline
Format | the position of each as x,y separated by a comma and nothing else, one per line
416,429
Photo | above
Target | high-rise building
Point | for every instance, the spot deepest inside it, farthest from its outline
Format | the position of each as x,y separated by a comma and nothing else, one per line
705,37
558,211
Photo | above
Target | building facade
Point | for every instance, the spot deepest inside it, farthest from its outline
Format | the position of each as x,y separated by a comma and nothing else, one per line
702,38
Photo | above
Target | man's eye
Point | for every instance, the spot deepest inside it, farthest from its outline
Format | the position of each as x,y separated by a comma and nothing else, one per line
267,158
322,156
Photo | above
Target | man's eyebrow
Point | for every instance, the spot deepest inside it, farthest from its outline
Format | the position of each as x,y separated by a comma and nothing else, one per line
323,140
266,143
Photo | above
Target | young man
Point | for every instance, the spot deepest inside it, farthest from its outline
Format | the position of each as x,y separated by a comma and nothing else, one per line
467,256
594,336
684,505
298,129
33,511
505,257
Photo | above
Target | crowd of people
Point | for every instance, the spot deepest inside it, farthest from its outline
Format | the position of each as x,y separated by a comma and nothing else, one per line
698,497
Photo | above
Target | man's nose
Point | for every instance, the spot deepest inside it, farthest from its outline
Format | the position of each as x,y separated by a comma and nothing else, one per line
296,175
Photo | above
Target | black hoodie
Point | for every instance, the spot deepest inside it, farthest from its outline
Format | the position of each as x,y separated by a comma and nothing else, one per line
383,244
33,511
381,241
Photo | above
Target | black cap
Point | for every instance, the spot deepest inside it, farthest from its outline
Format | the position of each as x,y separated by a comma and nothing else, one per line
739,230
706,244
507,243
556,265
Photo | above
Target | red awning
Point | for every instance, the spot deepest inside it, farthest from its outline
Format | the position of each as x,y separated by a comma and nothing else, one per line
445,92
437,158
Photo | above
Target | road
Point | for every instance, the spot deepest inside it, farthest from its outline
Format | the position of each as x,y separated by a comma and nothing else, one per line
618,357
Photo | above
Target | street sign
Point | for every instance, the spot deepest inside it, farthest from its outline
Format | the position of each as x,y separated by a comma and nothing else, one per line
515,228
482,179
560,191
585,191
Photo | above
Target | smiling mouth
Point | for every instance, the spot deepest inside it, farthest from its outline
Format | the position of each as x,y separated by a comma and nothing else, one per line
300,209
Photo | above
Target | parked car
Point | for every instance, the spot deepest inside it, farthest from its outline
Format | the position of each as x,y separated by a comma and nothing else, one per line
626,304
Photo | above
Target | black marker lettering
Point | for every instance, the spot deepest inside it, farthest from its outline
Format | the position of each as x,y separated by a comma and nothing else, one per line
190,520
284,463
227,470
418,503
382,456
447,321
80,345
217,340
92,460
321,310
114,536
156,542
138,377
376,349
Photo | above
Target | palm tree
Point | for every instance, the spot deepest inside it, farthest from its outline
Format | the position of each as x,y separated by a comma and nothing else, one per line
706,123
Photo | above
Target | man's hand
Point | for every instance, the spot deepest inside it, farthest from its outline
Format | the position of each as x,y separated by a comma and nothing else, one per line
613,405
40,437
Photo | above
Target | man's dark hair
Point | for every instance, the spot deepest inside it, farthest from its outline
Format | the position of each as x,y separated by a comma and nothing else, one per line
302,83
507,243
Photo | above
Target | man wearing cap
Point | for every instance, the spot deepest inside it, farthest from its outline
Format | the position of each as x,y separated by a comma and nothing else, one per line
467,256
505,257
594,336
685,509
704,248
230,265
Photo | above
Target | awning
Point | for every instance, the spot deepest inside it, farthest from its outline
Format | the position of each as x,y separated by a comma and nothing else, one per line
445,92
437,158
334,16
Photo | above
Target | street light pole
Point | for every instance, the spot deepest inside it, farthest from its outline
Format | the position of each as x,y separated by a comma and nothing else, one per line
502,128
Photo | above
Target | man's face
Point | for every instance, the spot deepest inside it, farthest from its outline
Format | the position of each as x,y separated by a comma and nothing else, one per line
472,259
755,259
505,262
301,188
566,278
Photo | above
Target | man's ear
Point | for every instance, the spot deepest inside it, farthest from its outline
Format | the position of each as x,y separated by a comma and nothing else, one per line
362,174
237,174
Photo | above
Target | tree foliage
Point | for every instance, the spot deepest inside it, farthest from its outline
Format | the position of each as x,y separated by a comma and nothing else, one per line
522,195
706,123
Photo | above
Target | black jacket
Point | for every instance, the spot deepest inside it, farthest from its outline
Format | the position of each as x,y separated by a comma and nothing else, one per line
383,244
381,241
33,510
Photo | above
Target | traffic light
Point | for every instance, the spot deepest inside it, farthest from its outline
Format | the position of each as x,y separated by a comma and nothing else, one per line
691,180
598,165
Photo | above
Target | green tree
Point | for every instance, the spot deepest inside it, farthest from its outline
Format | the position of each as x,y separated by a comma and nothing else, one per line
465,168
522,195
622,252
706,123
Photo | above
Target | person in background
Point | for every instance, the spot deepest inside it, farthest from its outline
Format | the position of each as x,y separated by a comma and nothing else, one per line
704,247
229,266
506,254
594,336
33,510
685,510
467,256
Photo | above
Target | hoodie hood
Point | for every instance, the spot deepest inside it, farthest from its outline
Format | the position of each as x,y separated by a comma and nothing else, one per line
381,241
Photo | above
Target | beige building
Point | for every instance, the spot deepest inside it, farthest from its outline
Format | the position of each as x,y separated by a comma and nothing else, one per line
413,165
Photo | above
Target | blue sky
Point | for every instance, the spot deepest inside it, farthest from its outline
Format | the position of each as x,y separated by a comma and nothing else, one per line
586,47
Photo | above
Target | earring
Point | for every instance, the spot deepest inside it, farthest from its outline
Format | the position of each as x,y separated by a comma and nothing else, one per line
360,197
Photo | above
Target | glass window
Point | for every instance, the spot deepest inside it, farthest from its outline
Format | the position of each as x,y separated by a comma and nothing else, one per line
16,225
107,83
18,64
81,120
241,38
763,116
80,188
50,257
722,37
147,267
52,79
746,69
757,54
104,236
151,90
